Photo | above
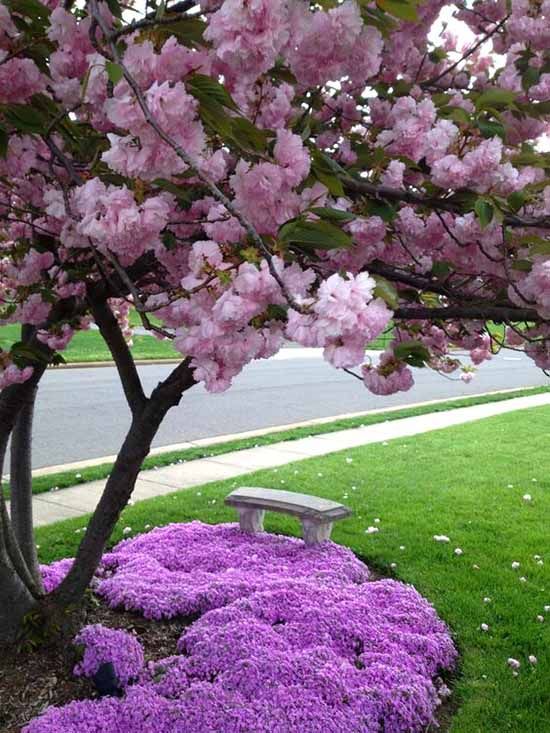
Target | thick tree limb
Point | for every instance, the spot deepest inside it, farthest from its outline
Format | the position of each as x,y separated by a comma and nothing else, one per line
122,356
385,193
121,482
481,311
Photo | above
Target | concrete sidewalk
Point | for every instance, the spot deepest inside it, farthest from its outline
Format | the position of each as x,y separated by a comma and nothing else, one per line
78,500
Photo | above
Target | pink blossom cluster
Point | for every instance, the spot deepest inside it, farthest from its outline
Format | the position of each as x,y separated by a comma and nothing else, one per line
346,317
19,80
113,221
10,373
142,153
389,376
412,129
302,642
481,169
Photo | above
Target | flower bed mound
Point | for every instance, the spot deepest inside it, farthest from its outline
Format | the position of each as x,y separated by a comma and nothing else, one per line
297,640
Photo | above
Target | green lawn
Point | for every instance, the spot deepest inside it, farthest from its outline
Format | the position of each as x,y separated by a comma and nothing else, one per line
89,346
466,482
65,479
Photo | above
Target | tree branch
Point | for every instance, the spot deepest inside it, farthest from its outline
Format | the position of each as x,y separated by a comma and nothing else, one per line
497,313
124,361
376,191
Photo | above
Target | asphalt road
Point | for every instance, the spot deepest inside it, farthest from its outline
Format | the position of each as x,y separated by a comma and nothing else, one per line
81,413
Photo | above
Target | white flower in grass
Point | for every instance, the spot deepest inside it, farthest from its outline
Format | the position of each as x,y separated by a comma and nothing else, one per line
540,618
547,609
484,627
475,567
126,530
510,486
377,520
527,497
540,562
401,547
513,663
534,480
371,530
536,557
441,538
349,460
532,659
147,526
458,552
523,579
393,565
515,565
78,475
486,599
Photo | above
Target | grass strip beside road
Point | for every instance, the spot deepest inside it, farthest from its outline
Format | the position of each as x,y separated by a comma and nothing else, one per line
67,479
466,482
88,346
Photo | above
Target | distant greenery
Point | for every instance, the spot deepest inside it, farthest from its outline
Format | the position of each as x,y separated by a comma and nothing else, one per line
89,346
465,482
100,471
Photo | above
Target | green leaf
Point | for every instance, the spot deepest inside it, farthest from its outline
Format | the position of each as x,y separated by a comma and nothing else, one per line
22,354
385,211
332,214
114,71
530,77
25,118
413,353
537,245
399,9
456,114
115,8
206,88
314,234
32,9
3,142
495,98
517,200
522,265
248,136
484,212
386,290
188,31
327,172
215,117
491,128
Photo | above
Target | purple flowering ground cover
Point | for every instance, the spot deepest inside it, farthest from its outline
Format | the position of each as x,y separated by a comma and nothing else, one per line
286,639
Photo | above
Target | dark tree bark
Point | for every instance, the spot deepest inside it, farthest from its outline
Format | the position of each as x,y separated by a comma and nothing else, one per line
16,599
121,482
21,486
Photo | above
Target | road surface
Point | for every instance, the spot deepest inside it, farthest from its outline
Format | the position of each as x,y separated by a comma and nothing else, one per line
81,413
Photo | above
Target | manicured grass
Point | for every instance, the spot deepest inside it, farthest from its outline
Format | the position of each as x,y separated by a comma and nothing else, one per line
465,482
70,478
89,346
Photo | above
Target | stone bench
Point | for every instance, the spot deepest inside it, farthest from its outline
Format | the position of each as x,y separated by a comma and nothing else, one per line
316,515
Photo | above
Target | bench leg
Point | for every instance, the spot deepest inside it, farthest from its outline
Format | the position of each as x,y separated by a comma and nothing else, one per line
251,520
314,531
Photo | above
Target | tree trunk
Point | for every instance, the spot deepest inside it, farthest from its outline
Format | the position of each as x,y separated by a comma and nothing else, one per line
21,485
16,600
120,484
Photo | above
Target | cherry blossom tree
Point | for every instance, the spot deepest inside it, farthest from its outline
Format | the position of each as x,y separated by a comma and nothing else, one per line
243,172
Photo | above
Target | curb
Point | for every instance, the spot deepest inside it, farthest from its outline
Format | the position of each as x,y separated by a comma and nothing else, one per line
228,437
